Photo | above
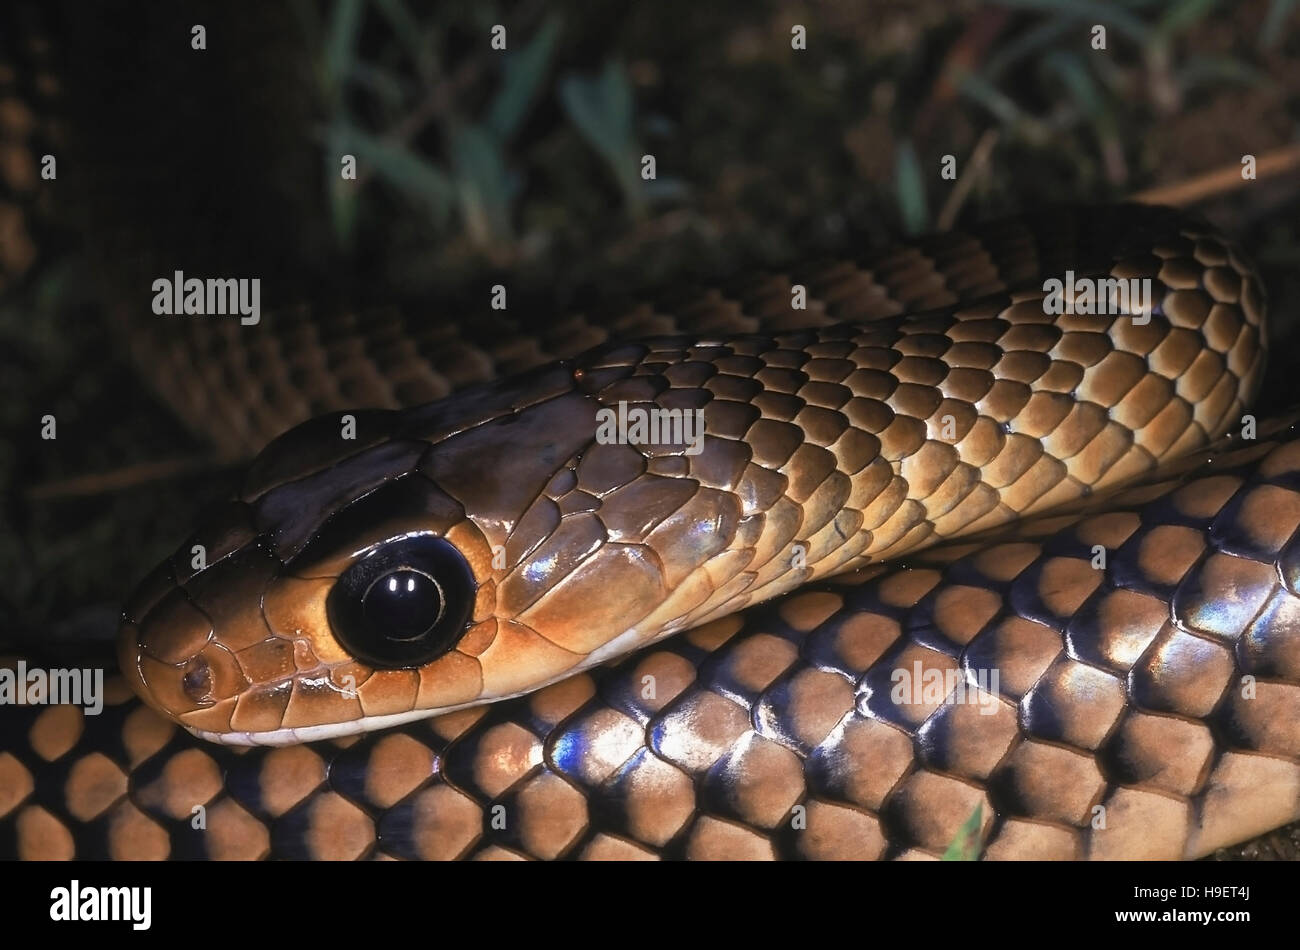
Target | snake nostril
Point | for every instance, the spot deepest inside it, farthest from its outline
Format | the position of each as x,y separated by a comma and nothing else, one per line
197,681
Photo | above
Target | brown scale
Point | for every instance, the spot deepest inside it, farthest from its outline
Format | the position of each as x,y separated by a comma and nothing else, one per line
1147,709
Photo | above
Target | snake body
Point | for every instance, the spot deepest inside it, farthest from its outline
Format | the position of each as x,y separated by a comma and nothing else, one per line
1143,710
922,395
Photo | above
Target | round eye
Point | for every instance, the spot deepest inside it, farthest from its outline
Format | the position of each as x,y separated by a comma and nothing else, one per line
403,604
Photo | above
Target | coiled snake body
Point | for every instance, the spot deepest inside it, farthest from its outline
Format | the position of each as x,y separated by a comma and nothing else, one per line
1112,680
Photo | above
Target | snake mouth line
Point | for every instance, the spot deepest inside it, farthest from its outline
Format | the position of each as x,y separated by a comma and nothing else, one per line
366,724
294,736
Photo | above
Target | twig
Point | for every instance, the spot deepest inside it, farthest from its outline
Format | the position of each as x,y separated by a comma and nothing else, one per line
1193,190
130,476
968,51
974,169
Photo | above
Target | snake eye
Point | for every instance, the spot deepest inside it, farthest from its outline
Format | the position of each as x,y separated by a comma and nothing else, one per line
403,604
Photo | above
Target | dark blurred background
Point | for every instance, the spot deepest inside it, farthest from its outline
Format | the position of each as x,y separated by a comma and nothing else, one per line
477,164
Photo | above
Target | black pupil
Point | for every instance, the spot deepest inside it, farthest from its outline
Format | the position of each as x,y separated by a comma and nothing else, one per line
403,604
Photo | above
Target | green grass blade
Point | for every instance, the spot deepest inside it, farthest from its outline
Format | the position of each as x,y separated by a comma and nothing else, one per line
1089,11
601,110
1270,32
482,185
522,80
967,845
404,170
1182,15
341,43
913,208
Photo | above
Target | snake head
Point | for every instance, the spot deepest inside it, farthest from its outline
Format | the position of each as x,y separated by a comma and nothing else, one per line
382,566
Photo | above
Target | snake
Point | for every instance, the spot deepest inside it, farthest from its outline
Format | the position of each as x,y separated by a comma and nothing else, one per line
943,559
382,566
938,555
